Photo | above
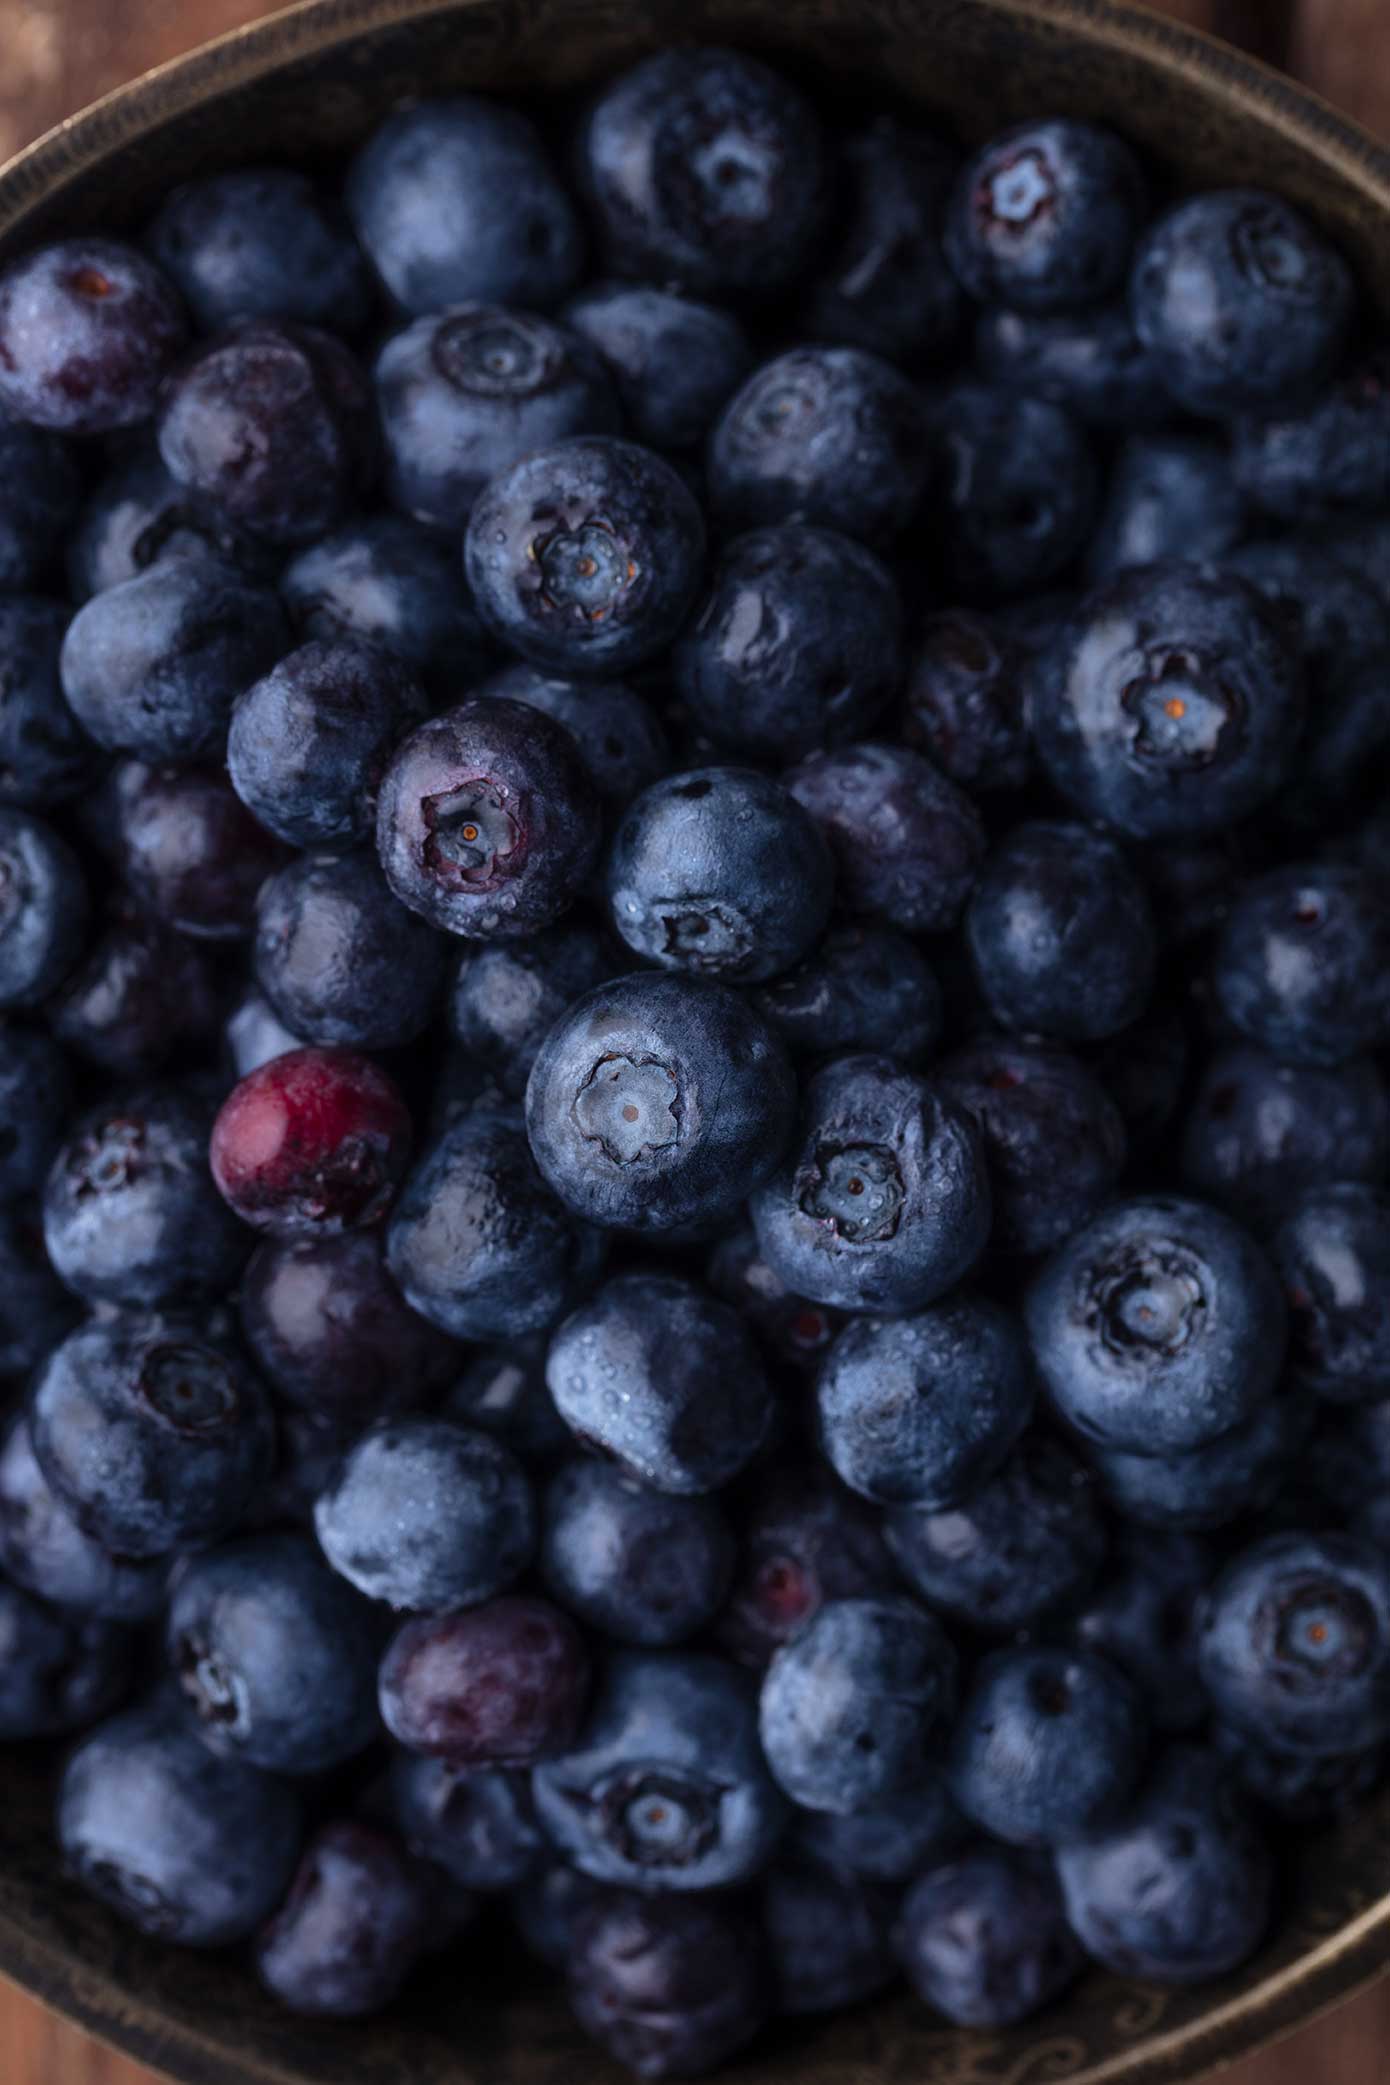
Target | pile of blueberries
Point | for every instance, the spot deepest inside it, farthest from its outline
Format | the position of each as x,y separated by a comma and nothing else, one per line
695,931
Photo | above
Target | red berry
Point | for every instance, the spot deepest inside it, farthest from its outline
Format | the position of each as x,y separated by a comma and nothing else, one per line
312,1143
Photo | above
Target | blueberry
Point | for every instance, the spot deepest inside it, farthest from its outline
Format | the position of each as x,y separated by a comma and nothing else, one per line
331,1332
1061,933
89,328
547,1910
140,995
797,645
670,1987
1143,1618
186,1846
1294,1641
503,1685
907,843
137,517
658,1102
1240,301
479,1244
1240,1472
151,1435
884,284
130,1214
1179,1888
1321,460
456,200
260,243
1055,1142
36,1311
339,960
827,1937
35,1098
272,429
1044,216
851,1707
920,1410
965,703
45,755
1167,496
883,1201
390,582
1333,1255
487,823
674,360
791,1331
1157,1327
1257,1132
1170,706
1048,1746
802,1541
704,168
478,1825
1302,967
42,494
309,742
1030,1541
1090,362
43,1549
466,392
427,1515
190,850
152,667
61,1671
887,1841
862,988
644,1568
310,1450
983,1938
274,1655
1019,490
663,1380
826,435
620,737
666,1787
43,908
585,556
352,1928
506,995
314,1143
719,871
503,1391
1298,1789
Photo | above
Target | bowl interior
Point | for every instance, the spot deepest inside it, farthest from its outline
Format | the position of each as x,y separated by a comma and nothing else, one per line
303,87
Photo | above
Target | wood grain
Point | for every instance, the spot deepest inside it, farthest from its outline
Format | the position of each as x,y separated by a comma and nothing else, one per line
61,54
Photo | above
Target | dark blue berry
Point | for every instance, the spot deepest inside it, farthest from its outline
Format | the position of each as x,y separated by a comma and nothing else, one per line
274,1654
1241,1471
506,995
58,1671
798,644
862,988
1257,1132
548,1907
152,667
1018,491
1044,216
620,737
186,1846
339,960
640,1566
658,1102
965,701
354,1925
503,1391
1240,301
674,360
152,1436
1143,1618
1333,1255
426,1515
190,850
907,843
456,201
585,556
1294,1787
827,1937
803,1541
487,823
391,582
1302,967
478,1825
670,1986
1090,362
309,742
790,1330
883,1201
260,243
719,871
89,329
705,169
984,1940
887,1841
826,435
1167,496
920,1410
1322,460
43,1549
660,1378
137,517
43,908
141,994
885,284
666,1787
45,755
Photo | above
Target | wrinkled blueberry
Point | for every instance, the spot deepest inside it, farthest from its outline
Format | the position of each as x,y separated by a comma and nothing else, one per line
352,1928
643,1567
674,360
984,1940
262,243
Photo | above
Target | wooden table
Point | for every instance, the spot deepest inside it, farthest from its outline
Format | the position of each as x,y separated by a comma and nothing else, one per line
59,54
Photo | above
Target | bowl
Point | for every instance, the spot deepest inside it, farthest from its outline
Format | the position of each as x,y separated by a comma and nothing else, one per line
304,86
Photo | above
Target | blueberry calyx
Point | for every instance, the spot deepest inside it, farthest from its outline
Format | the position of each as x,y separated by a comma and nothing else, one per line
857,1189
190,1389
631,1106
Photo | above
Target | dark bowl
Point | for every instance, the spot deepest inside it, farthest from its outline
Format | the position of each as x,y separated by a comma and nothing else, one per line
307,85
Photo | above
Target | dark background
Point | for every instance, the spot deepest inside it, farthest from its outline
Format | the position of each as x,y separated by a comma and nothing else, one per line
57,55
